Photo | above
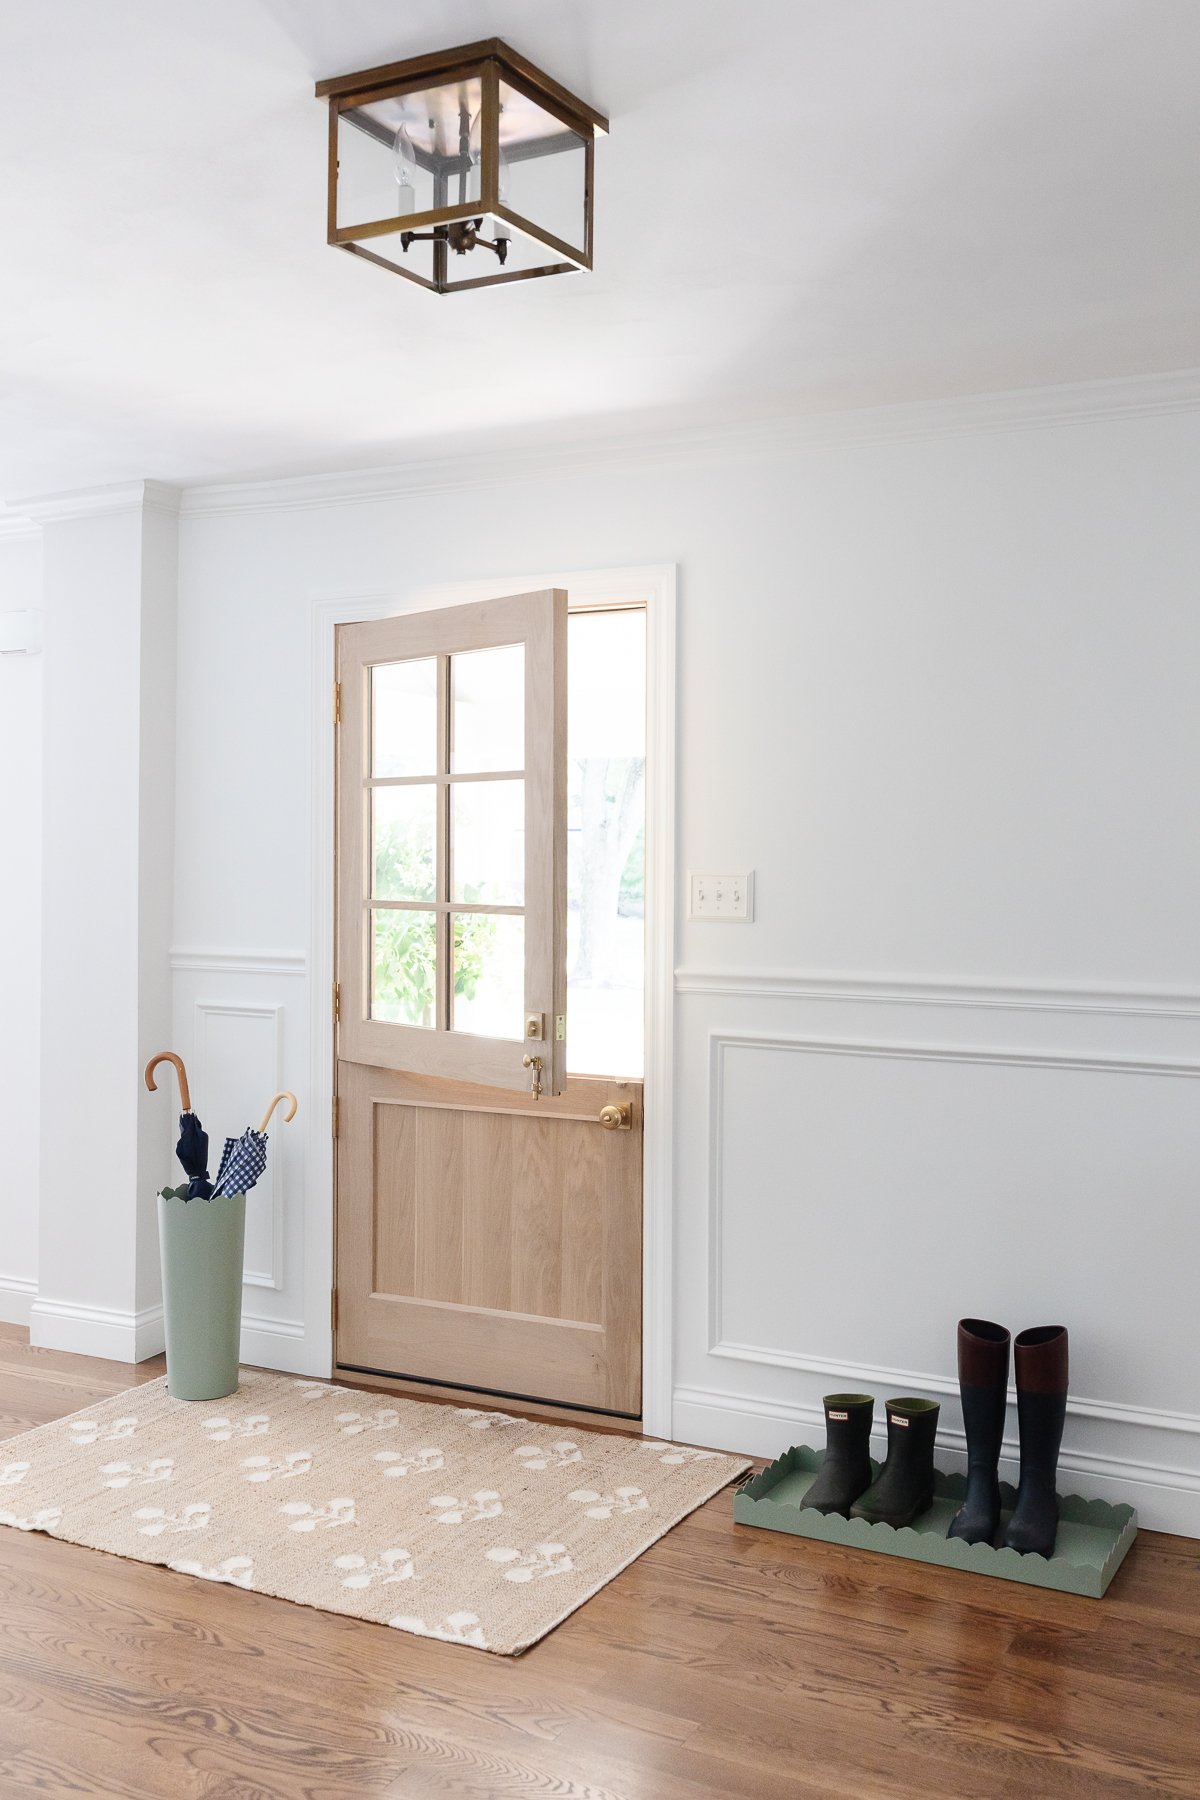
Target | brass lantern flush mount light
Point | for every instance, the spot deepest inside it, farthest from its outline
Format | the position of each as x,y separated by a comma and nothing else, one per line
461,169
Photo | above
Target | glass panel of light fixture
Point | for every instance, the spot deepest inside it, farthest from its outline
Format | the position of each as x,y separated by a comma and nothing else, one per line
487,710
489,974
403,833
404,717
487,842
379,174
431,143
404,967
543,168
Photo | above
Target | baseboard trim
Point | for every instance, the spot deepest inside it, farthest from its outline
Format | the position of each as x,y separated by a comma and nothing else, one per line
282,1344
872,1378
1167,1497
17,1295
105,1331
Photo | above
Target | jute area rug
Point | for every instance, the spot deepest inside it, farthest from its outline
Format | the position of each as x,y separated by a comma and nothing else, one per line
446,1521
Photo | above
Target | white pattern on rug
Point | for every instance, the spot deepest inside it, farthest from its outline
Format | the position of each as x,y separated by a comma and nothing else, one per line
503,1526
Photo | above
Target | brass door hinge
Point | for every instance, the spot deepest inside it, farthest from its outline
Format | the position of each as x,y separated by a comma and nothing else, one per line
337,1002
333,1310
337,1116
337,702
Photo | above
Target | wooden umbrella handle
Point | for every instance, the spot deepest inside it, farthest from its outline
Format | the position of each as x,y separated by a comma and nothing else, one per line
289,1115
177,1064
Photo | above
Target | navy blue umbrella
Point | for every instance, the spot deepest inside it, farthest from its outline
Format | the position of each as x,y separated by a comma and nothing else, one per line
192,1148
192,1151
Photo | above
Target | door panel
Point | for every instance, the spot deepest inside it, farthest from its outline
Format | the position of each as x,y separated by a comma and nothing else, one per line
488,1236
452,832
491,1240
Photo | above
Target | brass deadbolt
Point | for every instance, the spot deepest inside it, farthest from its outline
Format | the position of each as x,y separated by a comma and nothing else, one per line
617,1118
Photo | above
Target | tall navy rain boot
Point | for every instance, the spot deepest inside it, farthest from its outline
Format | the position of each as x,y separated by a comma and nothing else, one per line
983,1384
1040,1356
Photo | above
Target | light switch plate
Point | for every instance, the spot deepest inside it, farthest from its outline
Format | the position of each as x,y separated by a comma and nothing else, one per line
729,898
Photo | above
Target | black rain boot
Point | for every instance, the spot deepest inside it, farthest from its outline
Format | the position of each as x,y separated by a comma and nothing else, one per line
983,1384
905,1485
1040,1356
846,1470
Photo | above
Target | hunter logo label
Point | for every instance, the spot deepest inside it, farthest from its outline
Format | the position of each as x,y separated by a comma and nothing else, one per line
895,1419
842,1416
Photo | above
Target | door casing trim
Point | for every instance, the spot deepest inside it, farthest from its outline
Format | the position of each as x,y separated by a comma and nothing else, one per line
652,587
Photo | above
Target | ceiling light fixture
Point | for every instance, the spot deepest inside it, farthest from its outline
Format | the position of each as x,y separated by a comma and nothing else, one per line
464,150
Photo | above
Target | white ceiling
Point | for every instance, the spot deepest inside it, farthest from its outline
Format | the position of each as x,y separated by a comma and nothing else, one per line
806,204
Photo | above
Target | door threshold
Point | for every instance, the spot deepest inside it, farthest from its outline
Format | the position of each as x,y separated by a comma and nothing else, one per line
460,1392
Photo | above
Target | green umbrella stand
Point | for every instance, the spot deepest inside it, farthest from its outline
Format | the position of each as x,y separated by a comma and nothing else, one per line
201,1235
201,1244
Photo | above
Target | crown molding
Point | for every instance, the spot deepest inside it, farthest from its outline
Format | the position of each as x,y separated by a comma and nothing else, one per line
684,445
98,502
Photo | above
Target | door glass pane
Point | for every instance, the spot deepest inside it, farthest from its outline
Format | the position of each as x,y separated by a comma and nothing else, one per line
403,964
487,842
489,974
404,822
404,718
487,714
606,839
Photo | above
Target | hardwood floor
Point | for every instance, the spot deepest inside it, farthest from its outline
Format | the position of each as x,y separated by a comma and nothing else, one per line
724,1663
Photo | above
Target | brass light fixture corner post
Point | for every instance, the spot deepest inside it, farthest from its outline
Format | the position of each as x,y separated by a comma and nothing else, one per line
465,151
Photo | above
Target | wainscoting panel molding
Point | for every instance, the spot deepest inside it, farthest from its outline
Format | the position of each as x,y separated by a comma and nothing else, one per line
1056,1179
238,1066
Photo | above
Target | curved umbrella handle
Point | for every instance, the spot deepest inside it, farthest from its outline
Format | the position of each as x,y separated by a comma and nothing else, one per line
177,1064
290,1114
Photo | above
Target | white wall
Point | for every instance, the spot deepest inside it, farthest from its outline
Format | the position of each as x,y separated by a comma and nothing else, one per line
20,933
940,694
106,1003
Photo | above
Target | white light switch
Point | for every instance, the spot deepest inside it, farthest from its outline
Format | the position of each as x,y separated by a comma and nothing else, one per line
729,897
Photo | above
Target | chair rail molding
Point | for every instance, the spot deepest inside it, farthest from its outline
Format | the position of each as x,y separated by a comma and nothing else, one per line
654,587
239,962
969,992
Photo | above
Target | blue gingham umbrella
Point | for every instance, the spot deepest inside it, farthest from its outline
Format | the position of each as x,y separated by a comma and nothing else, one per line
244,1158
242,1162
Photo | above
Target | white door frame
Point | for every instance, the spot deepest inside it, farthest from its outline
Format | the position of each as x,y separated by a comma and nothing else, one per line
650,586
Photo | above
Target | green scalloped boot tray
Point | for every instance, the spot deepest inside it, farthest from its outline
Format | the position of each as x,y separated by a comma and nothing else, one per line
1093,1536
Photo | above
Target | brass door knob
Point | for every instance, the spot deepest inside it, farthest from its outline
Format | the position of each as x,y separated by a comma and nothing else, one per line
617,1118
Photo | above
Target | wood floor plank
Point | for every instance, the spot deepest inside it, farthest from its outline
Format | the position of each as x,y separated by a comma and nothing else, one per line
723,1664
